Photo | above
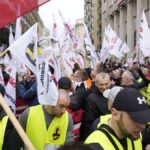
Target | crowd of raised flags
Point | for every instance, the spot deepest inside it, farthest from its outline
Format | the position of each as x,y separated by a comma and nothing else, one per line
112,44
62,55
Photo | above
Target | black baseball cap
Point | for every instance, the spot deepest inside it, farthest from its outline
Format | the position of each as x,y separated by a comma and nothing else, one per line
131,101
64,83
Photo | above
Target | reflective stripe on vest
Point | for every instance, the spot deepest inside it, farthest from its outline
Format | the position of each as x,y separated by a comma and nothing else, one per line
39,134
107,144
104,120
3,124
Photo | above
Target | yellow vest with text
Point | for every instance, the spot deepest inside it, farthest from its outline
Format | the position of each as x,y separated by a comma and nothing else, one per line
39,134
3,124
101,138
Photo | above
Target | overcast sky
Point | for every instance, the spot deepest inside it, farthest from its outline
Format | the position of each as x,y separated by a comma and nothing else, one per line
71,10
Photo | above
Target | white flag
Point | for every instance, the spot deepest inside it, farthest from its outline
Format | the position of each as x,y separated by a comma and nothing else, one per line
105,46
10,93
23,48
115,46
144,36
90,47
47,90
56,50
74,42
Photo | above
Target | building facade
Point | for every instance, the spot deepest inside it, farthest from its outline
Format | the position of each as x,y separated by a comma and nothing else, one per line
31,18
92,18
124,17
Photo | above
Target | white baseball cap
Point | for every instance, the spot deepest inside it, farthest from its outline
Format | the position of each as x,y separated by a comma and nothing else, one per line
110,94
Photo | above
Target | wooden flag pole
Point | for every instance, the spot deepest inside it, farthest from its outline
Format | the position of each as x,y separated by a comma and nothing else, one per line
4,52
16,124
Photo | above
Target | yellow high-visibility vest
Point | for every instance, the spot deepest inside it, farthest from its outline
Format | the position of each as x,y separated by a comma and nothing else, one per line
148,94
104,120
39,134
107,141
142,90
3,124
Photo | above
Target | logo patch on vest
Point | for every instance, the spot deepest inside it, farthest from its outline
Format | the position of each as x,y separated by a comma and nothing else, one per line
56,134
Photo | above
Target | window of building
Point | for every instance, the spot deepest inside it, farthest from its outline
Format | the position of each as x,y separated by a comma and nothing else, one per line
146,4
134,38
88,1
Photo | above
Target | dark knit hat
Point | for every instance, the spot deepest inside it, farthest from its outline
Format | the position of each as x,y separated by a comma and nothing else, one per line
64,83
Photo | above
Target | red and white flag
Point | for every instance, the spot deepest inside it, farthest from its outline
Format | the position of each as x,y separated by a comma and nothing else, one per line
10,93
71,48
56,50
12,9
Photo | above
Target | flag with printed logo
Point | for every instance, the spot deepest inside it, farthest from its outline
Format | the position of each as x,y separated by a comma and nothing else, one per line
24,48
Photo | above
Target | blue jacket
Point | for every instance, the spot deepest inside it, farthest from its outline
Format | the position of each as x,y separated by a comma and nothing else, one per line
28,92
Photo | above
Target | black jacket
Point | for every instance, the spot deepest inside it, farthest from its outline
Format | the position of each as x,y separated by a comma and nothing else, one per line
78,98
96,106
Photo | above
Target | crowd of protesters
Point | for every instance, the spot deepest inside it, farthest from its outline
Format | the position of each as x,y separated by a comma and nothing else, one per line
104,107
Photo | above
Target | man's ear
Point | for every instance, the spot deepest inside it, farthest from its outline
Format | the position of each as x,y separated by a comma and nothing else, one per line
115,114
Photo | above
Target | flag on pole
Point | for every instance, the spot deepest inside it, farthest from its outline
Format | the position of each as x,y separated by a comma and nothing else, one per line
71,47
113,45
144,36
90,47
56,50
47,90
23,48
105,46
12,9
117,47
